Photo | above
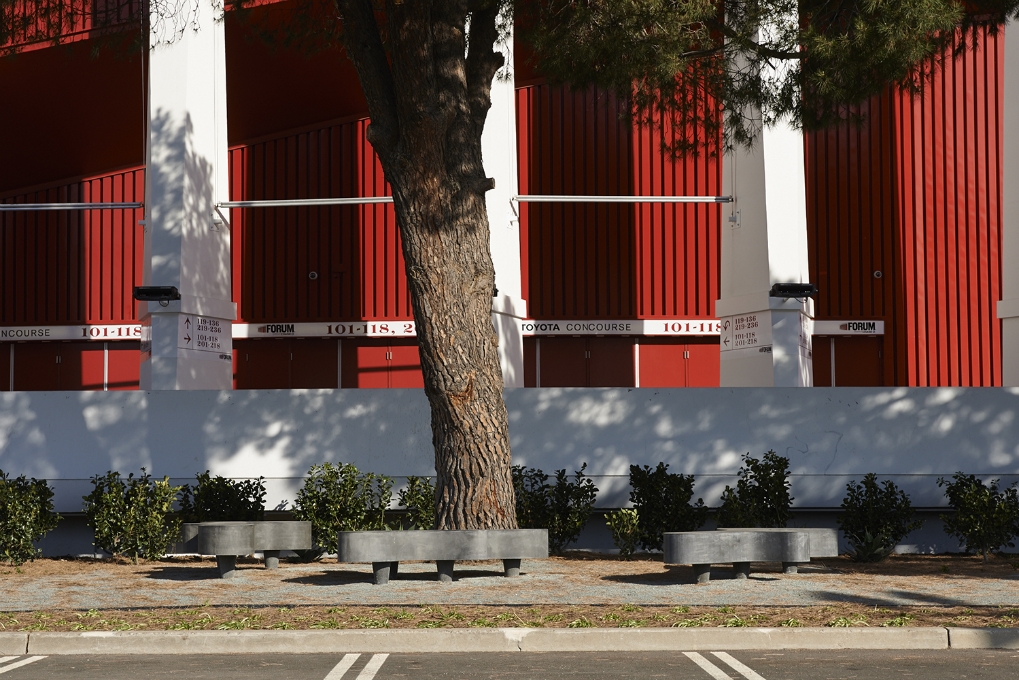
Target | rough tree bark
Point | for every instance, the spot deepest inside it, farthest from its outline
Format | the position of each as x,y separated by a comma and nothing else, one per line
428,94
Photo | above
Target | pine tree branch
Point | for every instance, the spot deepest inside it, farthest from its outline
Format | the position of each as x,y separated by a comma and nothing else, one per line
483,60
363,41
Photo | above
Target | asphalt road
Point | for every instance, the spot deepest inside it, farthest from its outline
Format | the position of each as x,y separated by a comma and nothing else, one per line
787,665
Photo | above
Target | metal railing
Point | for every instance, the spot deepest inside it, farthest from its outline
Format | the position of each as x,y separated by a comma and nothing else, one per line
33,207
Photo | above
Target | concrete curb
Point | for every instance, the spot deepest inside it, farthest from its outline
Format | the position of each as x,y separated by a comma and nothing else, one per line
13,644
983,638
501,640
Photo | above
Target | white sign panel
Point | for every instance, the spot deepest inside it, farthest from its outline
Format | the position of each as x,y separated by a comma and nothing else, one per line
407,329
745,331
849,327
675,327
110,332
363,329
203,334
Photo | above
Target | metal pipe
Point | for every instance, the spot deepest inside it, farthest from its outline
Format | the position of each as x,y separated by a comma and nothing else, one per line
536,198
306,202
31,207
532,198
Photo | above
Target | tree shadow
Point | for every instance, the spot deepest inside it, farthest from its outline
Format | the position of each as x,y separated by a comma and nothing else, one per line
338,577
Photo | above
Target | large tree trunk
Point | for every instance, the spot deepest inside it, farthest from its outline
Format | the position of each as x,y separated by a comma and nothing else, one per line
428,103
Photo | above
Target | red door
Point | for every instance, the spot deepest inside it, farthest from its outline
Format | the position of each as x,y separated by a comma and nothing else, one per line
405,366
562,362
82,365
366,364
858,361
662,362
822,361
5,367
122,365
703,358
262,364
610,362
36,367
313,363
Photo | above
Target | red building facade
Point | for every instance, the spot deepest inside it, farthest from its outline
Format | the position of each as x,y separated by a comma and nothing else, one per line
904,228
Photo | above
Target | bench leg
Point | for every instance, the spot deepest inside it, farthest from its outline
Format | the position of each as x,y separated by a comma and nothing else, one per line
742,569
227,565
445,568
272,558
394,569
511,567
702,572
789,567
383,570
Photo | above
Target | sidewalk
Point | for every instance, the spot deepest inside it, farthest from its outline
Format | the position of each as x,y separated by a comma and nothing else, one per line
579,580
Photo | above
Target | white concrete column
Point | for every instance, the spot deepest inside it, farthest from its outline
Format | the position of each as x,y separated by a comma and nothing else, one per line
186,343
1008,307
499,146
765,340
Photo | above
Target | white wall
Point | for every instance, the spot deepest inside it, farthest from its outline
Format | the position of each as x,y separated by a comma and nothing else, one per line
829,434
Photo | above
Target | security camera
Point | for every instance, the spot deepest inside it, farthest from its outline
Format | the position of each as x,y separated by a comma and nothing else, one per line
793,290
160,294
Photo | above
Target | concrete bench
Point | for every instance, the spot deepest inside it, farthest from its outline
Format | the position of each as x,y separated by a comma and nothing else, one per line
704,548
386,549
823,542
229,540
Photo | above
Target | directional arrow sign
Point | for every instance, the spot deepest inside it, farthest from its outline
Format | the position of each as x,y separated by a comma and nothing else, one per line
203,334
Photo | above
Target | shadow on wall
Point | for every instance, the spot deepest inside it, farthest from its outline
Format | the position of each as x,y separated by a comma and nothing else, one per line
831,435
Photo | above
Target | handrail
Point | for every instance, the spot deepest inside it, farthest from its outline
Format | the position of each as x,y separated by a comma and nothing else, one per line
31,207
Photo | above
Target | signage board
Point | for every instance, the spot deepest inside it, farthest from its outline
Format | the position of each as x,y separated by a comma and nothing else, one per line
84,332
203,334
658,327
849,327
343,329
407,329
745,332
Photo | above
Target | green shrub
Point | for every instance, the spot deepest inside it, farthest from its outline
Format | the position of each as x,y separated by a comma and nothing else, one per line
875,517
563,508
761,497
625,527
26,515
218,499
662,502
418,497
985,517
132,518
339,498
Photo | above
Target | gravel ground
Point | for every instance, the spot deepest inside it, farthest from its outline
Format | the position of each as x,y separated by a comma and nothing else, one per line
576,580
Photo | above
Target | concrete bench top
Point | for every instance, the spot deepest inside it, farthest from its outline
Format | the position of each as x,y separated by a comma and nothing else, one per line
704,548
823,542
386,549
229,540
430,545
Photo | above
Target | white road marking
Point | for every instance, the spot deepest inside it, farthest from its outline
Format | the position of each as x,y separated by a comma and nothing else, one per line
342,667
746,671
19,664
708,667
372,667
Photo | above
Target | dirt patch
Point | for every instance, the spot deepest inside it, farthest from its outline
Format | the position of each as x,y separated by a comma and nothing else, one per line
540,616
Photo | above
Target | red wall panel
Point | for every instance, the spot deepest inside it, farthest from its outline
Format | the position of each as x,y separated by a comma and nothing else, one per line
914,193
949,173
579,258
611,260
354,251
678,245
72,266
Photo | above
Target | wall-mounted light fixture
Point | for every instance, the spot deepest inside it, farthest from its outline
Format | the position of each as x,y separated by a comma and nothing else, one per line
793,290
160,294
